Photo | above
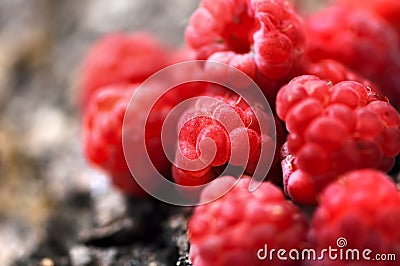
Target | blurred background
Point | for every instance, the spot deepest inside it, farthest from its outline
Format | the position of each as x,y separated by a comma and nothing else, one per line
54,208
48,194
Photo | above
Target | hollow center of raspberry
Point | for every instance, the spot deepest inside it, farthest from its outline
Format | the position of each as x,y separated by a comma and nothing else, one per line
238,34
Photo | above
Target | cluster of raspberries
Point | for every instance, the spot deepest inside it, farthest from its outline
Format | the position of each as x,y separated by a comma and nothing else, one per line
332,81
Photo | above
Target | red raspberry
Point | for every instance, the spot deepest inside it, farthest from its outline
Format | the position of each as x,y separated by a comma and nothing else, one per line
121,58
363,207
333,129
361,41
262,38
102,134
232,229
389,10
356,38
224,124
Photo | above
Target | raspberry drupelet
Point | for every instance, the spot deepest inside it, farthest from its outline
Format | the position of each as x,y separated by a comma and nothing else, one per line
362,210
232,229
262,38
333,129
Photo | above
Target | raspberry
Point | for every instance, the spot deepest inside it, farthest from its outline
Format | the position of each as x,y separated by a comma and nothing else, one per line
262,38
102,134
356,38
361,41
389,10
218,130
232,229
363,207
333,129
121,58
